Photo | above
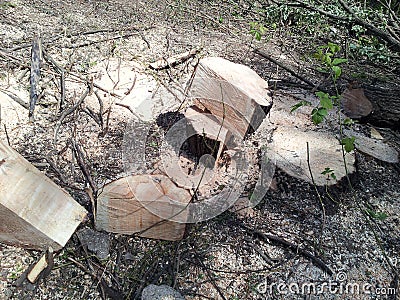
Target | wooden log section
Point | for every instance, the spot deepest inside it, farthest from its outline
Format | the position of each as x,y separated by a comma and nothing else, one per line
232,92
151,205
35,213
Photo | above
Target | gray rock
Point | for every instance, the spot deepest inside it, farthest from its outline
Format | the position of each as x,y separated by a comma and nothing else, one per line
160,292
96,242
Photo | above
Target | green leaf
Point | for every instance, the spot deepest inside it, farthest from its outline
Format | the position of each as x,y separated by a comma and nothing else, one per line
322,111
337,72
322,95
329,172
319,54
323,70
257,36
317,119
333,47
262,29
348,121
325,100
318,115
348,143
328,60
376,214
299,104
338,61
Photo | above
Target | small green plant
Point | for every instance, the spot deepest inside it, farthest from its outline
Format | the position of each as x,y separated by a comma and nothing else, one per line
381,216
257,30
15,273
7,5
370,48
329,173
300,104
348,143
330,65
92,64
153,144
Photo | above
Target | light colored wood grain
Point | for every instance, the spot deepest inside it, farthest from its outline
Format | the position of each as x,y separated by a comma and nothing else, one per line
34,211
151,205
232,92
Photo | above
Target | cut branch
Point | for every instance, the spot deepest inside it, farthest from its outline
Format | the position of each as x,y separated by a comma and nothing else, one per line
293,247
286,68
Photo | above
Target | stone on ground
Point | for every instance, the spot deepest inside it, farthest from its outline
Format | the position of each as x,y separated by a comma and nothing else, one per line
160,292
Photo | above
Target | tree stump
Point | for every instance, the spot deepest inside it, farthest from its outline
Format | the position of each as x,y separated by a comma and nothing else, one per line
290,134
211,134
378,104
232,92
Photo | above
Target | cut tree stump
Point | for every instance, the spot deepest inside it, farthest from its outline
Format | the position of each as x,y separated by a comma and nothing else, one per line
289,149
151,205
377,104
290,134
232,92
206,127
35,213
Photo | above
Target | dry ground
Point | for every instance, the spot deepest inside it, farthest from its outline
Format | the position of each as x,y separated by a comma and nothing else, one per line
218,259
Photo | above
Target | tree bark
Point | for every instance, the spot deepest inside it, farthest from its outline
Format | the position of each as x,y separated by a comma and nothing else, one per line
386,102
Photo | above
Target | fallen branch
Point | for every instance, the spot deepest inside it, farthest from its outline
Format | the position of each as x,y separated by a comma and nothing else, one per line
164,63
351,18
91,83
36,54
61,72
210,276
11,57
16,98
123,36
293,247
376,31
104,288
289,70
8,138
85,170
132,86
69,111
128,108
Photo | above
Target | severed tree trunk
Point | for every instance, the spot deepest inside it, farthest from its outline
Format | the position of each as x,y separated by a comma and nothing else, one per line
376,104
233,93
386,104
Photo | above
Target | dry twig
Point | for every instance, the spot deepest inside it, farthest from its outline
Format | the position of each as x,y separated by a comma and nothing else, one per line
295,248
